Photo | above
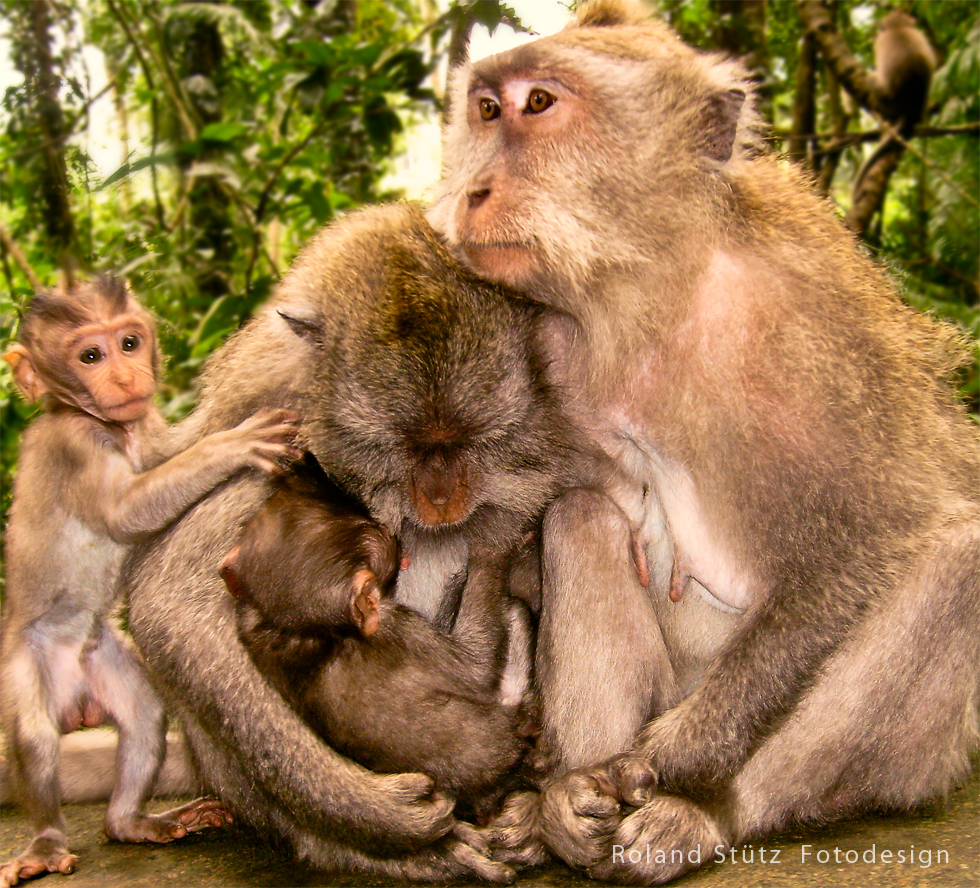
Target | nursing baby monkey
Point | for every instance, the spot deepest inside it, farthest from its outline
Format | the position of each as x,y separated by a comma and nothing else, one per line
93,476
775,407
396,694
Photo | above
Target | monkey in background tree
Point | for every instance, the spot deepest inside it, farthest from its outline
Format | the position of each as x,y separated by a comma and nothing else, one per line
904,65
83,492
774,406
397,694
421,393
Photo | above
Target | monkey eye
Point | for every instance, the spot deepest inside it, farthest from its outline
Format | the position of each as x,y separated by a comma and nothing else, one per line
91,356
130,343
539,101
489,109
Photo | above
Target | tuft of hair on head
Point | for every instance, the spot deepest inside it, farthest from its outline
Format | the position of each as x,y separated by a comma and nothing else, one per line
610,13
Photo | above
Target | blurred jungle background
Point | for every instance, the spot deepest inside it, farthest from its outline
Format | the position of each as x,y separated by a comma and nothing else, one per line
194,147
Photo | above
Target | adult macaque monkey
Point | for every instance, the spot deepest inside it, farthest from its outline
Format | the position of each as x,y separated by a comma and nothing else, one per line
80,497
420,393
755,375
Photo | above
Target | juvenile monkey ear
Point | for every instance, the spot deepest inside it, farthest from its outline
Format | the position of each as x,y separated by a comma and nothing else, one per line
720,122
364,602
25,374
303,321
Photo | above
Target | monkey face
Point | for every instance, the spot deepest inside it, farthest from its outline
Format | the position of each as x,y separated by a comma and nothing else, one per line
444,418
114,363
562,154
432,403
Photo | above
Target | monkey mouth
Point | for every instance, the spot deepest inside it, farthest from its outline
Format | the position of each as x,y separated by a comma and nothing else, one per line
134,408
509,263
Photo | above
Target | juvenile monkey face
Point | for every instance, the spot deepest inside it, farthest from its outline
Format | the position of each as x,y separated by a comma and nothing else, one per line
114,362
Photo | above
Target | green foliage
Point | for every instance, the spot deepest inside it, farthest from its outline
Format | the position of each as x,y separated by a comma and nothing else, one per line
250,124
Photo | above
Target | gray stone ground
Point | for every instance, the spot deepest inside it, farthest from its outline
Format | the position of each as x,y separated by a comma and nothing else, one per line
233,859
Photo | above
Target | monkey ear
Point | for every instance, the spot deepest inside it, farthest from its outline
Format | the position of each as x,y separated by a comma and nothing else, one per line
25,374
303,321
364,602
720,122
230,575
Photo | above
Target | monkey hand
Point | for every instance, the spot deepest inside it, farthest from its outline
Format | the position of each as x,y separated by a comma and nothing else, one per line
468,847
684,833
579,816
674,753
263,441
407,810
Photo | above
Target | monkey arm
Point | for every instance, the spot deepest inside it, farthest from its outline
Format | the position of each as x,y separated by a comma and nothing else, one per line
752,684
254,750
142,502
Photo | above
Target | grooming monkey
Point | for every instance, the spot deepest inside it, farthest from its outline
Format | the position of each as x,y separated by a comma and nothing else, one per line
904,65
421,394
781,413
395,695
84,491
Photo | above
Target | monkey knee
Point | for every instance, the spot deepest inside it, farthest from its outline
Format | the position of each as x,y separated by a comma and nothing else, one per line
585,515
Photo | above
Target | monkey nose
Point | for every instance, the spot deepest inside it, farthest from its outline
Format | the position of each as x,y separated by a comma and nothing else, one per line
477,197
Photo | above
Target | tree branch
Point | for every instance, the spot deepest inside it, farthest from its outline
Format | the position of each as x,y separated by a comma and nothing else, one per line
10,246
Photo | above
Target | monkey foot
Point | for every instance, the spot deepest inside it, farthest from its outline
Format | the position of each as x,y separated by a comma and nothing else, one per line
579,815
46,854
666,837
513,835
174,824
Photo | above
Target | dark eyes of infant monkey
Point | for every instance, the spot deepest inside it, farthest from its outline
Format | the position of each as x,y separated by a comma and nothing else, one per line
91,478
398,695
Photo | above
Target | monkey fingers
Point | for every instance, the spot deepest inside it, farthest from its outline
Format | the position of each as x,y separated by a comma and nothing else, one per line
579,816
631,779
46,854
467,846
683,832
513,834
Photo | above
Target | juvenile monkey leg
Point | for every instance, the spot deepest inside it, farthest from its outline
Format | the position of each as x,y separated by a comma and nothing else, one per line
34,748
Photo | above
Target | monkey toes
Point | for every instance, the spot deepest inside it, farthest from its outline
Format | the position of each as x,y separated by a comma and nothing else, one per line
470,848
513,834
44,855
579,816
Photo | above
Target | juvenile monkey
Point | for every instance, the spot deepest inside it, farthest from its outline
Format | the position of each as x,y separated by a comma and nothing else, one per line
422,394
83,492
395,695
777,409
